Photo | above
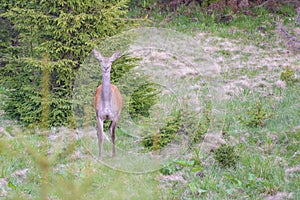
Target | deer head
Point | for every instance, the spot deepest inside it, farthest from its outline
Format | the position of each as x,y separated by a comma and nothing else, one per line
106,62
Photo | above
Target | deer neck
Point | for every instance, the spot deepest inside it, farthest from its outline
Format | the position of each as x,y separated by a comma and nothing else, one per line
106,89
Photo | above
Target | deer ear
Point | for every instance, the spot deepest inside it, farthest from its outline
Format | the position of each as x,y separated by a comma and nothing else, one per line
97,55
116,55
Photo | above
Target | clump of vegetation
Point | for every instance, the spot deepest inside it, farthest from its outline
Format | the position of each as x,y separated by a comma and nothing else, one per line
226,156
170,169
143,93
256,116
142,99
122,66
203,123
165,136
179,164
288,76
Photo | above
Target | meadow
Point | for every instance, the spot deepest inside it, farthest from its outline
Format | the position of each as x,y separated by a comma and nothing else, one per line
239,81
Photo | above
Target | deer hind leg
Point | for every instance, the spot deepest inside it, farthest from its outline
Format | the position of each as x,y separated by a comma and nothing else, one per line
112,128
100,135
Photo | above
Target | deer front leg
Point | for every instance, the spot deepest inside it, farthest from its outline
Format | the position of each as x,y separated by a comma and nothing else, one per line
100,136
112,128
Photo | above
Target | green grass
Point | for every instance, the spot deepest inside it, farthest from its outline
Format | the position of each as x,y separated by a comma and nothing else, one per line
264,155
256,27
60,176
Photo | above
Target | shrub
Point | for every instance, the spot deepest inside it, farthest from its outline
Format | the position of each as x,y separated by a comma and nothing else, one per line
142,99
165,136
257,115
226,156
288,76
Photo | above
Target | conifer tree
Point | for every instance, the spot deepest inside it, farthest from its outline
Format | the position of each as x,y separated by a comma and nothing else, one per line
52,38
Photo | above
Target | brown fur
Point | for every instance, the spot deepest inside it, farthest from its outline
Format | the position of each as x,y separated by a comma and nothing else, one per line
116,95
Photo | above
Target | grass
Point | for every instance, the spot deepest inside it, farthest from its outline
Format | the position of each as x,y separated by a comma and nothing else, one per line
256,28
60,175
261,124
265,153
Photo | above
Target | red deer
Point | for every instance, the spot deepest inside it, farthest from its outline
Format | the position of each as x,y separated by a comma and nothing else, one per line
108,101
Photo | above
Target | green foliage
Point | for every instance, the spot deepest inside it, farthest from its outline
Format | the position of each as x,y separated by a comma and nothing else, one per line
226,156
169,169
288,76
208,2
64,32
6,35
165,136
22,90
143,92
179,164
203,124
143,4
142,99
256,116
122,66
285,10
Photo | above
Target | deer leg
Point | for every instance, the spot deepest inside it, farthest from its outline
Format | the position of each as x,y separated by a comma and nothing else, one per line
100,136
112,128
